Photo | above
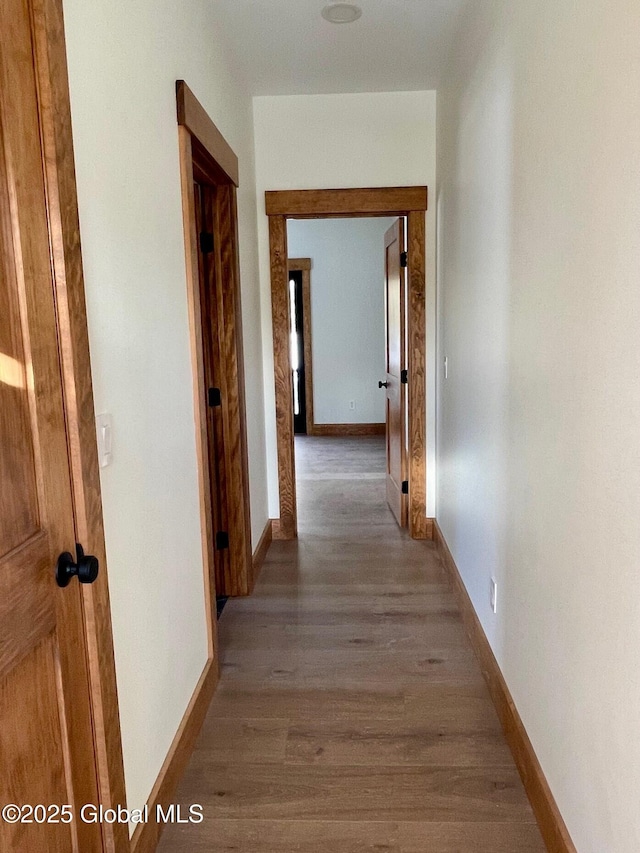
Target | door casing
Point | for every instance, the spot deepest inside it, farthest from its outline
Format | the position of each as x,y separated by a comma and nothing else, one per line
351,203
207,158
50,66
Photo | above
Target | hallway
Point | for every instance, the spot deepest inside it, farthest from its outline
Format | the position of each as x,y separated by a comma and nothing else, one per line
351,714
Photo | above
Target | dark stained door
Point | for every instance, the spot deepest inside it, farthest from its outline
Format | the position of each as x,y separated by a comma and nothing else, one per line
212,329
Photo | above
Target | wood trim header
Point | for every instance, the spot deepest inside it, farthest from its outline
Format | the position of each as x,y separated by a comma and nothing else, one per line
303,264
193,116
312,204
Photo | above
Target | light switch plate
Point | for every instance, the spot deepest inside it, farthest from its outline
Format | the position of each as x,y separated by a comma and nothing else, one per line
104,430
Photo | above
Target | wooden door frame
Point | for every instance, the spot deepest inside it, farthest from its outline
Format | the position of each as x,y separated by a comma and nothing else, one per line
203,148
50,64
303,265
411,202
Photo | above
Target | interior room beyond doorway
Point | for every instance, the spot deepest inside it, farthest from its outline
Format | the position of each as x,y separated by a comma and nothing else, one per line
338,352
339,319
337,309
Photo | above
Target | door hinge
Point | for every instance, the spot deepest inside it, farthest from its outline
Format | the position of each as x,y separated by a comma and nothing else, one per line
403,259
404,376
215,397
206,242
405,487
222,540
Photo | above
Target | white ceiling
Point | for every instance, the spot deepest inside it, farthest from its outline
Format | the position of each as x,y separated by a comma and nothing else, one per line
284,47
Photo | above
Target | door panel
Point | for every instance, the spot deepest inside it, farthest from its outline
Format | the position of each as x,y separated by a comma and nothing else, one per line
33,776
46,739
21,515
395,312
214,378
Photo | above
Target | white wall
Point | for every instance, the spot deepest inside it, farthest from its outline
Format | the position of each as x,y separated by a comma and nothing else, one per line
336,141
124,59
347,315
539,421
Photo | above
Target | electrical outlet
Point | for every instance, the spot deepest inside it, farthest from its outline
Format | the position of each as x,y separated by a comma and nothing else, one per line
352,404
494,595
446,367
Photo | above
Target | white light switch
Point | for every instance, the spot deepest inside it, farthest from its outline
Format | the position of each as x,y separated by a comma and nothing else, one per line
104,428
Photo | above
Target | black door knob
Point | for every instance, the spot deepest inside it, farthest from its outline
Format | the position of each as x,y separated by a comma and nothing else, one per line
383,384
86,567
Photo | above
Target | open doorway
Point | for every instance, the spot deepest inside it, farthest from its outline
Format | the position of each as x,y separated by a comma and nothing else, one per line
338,313
301,347
407,418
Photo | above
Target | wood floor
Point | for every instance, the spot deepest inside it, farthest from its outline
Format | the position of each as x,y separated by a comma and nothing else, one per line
351,715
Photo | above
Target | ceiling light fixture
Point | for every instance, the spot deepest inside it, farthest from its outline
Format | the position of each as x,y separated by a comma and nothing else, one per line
341,13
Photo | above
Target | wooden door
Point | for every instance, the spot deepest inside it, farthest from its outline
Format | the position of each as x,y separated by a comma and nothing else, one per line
395,323
215,385
46,744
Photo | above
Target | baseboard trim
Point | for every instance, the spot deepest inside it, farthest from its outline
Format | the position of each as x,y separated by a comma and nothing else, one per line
147,835
545,808
348,429
261,550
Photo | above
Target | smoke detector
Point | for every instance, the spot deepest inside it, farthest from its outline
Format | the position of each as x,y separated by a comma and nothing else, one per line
341,13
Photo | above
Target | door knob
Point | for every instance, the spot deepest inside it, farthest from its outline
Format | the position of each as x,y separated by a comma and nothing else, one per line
86,567
383,384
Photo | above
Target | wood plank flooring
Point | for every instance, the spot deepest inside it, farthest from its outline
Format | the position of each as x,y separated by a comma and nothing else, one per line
351,715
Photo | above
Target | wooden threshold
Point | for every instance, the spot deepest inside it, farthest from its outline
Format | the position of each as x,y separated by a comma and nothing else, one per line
545,808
